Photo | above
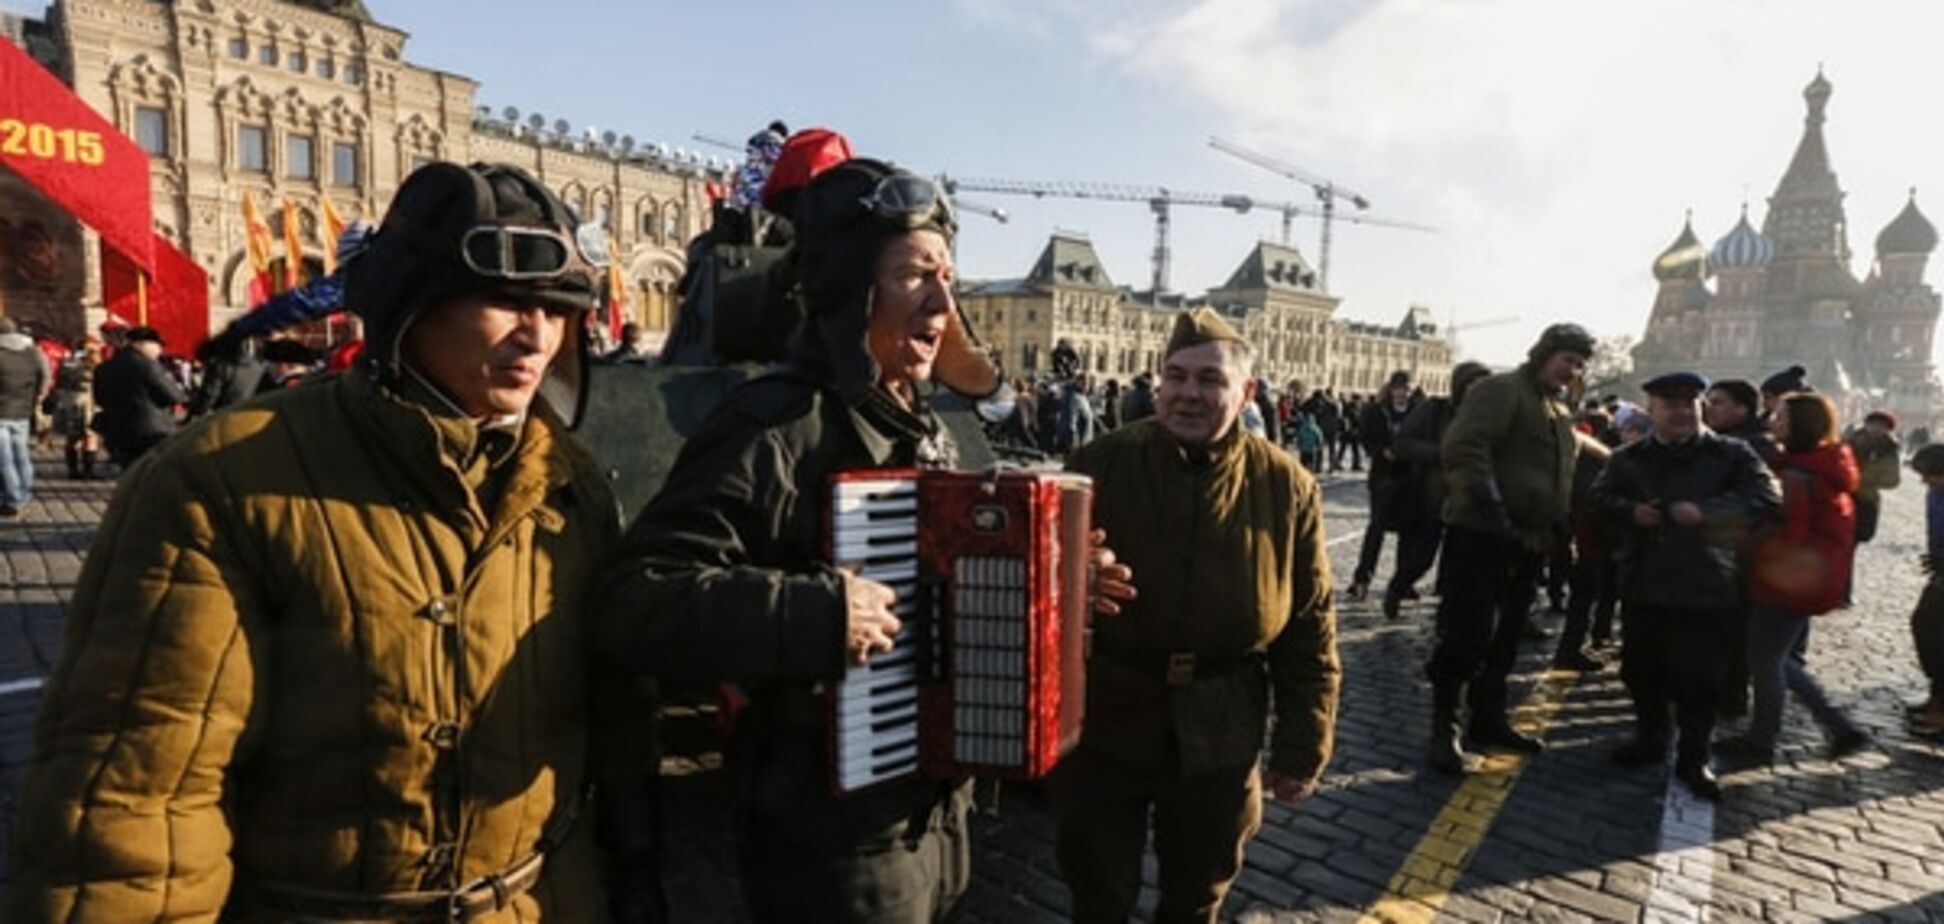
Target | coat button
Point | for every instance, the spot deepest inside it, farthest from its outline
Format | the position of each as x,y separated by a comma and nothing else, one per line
440,612
443,735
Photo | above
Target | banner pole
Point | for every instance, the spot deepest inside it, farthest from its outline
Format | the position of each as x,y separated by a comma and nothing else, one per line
141,298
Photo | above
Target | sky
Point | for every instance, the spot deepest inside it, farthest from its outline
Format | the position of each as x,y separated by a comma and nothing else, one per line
1554,145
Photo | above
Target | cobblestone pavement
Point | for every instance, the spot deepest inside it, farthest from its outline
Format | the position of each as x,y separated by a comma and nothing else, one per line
1563,837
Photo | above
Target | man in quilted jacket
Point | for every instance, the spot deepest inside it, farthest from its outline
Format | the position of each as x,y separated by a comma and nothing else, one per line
329,658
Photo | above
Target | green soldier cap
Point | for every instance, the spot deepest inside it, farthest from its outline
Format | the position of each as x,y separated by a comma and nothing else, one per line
1198,326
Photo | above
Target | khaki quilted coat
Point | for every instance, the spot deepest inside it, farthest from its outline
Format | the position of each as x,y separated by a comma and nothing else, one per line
302,654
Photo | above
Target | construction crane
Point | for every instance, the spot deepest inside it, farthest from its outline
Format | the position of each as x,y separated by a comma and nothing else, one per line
1160,201
1327,193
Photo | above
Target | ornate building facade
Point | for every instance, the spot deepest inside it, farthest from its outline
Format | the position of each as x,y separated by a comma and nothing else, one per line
1272,296
307,102
1785,295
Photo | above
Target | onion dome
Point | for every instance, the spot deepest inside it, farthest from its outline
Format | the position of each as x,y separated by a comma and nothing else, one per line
1908,233
1742,246
1683,259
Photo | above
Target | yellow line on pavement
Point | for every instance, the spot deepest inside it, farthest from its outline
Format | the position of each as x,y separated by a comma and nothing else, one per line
1420,886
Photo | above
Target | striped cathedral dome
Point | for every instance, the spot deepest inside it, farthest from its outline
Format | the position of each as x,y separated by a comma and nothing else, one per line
1741,246
1909,232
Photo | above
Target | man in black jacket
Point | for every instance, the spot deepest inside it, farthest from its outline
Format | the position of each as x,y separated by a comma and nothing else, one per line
1682,500
136,398
726,575
1379,420
1421,502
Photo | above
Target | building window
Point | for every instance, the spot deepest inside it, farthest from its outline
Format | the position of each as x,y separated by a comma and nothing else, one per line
298,61
253,148
344,163
648,228
326,68
354,74
300,157
267,55
152,130
239,48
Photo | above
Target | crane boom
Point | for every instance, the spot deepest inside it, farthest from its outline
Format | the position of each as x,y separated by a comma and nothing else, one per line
1327,193
1160,201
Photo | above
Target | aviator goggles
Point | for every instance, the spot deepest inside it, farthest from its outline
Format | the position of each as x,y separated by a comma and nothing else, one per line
524,253
907,202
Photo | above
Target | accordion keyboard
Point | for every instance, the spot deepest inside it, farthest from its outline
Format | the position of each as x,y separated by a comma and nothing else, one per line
875,530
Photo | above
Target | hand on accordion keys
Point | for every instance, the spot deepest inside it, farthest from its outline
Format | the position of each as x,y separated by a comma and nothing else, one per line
1113,582
869,626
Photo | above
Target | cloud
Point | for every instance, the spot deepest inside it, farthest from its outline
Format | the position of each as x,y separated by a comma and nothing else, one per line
1555,144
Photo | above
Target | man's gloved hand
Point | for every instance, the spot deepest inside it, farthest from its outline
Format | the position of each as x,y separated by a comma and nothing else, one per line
1485,496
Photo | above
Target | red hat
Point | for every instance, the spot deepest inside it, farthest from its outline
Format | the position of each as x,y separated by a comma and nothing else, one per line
806,154
1889,419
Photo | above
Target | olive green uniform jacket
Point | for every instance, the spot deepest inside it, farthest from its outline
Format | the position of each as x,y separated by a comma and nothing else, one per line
1512,437
1227,549
303,654
1878,461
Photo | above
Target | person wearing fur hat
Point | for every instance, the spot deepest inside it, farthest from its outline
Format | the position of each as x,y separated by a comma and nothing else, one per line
332,657
1508,462
724,577
1224,534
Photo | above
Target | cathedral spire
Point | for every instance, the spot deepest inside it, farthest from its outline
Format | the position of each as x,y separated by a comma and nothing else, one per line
1805,217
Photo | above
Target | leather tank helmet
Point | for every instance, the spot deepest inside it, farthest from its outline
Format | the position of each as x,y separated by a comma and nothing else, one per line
486,229
843,220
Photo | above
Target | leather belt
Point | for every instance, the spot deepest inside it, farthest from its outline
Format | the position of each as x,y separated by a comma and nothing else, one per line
1174,668
483,896
492,892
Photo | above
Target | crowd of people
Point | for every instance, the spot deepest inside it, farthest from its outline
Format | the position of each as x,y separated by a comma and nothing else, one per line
381,648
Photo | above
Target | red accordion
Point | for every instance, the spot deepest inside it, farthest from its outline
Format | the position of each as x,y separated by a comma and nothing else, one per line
987,677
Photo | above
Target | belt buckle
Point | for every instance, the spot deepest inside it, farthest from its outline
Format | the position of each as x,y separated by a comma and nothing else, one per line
1181,668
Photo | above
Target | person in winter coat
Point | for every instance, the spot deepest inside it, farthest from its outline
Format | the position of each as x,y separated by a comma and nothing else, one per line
1508,464
1879,459
1588,585
1734,409
136,398
1800,570
1682,501
329,657
1421,503
1927,619
1139,403
725,578
24,381
1309,441
1389,474
74,409
1233,624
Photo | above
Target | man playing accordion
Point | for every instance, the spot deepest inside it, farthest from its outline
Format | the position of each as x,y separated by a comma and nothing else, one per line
726,576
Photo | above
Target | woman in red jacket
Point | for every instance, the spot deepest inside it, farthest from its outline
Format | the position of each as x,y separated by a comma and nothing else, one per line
1800,570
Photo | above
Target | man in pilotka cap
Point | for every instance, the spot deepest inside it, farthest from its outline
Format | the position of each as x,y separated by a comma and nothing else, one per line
1233,623
329,658
724,578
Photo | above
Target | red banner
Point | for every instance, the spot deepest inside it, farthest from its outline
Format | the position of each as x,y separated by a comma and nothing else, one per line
72,155
173,299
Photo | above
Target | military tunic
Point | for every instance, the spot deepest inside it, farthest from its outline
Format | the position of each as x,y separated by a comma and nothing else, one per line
1234,620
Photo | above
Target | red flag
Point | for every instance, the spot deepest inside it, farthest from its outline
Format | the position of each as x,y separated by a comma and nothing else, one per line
293,248
174,300
256,244
617,306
